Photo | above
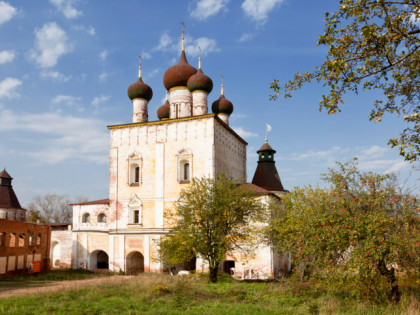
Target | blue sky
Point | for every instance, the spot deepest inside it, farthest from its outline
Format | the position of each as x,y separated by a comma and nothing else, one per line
65,66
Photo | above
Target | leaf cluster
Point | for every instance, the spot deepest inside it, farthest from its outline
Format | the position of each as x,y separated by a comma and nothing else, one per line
357,226
214,218
373,45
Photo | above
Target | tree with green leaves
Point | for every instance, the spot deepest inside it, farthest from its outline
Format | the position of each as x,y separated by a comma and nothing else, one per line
213,219
373,45
362,229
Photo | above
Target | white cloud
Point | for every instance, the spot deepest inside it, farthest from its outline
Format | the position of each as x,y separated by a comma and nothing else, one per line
151,74
165,43
7,56
91,30
103,55
245,37
50,44
244,133
99,100
68,100
8,88
6,12
258,10
55,76
64,137
67,8
207,45
103,76
374,152
206,8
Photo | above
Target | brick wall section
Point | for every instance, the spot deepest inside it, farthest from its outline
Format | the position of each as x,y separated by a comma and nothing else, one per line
22,242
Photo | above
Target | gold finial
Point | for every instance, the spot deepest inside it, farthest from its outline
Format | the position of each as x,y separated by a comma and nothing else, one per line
222,84
183,27
139,67
199,57
166,95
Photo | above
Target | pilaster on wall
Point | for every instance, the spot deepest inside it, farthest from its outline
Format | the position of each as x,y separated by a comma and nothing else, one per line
113,185
159,173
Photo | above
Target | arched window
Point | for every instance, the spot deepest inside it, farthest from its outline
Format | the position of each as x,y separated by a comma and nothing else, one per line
102,218
185,166
86,218
186,171
134,169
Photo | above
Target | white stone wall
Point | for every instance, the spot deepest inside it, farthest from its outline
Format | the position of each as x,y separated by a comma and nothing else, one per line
140,113
199,99
230,153
180,103
60,249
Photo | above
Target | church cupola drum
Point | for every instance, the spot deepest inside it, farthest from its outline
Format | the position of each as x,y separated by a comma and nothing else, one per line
175,81
200,86
140,94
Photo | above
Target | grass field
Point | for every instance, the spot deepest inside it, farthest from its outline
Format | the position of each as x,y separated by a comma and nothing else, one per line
163,294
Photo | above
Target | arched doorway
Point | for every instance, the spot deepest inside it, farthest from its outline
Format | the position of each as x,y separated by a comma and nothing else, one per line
135,263
99,260
55,254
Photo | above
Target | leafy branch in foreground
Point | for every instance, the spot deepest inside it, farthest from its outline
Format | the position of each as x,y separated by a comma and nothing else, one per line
373,45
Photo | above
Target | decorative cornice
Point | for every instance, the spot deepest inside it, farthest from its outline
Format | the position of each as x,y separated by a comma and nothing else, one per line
169,121
139,98
160,122
178,88
200,91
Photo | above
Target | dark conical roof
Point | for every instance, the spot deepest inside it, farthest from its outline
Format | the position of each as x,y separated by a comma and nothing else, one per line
178,74
266,175
139,89
8,197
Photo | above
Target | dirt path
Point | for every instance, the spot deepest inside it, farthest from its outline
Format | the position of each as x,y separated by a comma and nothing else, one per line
34,288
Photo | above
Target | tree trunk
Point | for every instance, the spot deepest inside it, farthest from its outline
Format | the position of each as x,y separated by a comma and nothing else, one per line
394,293
213,273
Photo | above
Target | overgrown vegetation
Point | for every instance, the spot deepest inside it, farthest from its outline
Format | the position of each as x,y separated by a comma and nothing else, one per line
164,294
362,229
52,275
213,219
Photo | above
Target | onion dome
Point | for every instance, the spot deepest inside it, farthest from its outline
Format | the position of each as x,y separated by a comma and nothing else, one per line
200,81
140,89
163,111
179,74
222,105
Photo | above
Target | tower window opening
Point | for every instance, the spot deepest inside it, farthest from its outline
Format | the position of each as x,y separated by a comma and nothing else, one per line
186,171
86,218
136,217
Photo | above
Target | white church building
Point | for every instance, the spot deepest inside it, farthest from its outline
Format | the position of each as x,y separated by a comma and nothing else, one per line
150,162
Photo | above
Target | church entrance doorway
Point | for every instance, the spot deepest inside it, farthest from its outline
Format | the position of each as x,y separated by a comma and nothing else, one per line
135,263
99,260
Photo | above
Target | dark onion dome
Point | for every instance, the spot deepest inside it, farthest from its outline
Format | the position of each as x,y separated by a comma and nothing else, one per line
200,81
222,106
179,74
163,111
140,89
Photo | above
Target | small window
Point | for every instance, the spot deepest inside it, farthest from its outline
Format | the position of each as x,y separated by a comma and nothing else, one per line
186,171
136,216
31,239
21,239
22,217
86,218
38,240
137,175
102,218
12,240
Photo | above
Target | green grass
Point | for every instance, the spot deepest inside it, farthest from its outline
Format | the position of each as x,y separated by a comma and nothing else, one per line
162,294
52,275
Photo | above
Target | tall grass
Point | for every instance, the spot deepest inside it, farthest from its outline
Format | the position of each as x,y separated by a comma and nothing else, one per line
163,294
